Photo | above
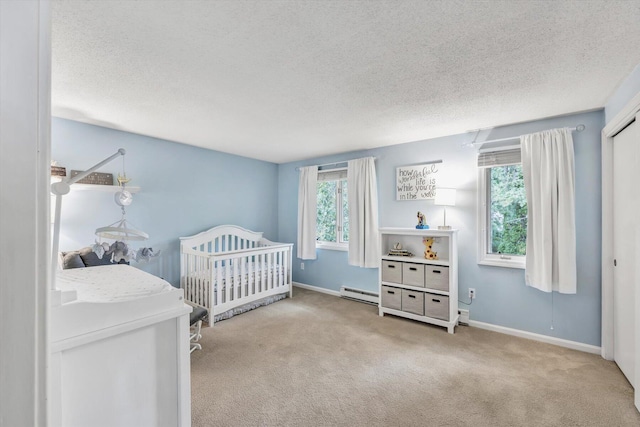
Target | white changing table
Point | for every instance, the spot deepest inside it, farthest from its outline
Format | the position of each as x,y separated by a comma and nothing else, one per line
119,350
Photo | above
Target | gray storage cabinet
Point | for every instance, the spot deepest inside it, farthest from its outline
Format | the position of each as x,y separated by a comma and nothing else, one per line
421,289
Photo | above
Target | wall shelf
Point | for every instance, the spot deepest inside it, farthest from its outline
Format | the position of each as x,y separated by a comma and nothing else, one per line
95,187
102,188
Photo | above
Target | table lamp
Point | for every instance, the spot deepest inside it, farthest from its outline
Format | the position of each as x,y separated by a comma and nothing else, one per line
445,197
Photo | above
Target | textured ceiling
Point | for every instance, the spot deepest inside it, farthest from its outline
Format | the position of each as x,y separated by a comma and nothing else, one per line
288,80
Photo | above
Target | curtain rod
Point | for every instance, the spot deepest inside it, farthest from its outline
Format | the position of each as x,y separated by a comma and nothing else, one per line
330,164
578,128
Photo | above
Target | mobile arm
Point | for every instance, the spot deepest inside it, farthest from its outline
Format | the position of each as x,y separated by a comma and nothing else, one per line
59,189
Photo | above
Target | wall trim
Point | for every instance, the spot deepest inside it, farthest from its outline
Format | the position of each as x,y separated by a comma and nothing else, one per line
615,125
316,289
628,114
25,114
574,345
623,118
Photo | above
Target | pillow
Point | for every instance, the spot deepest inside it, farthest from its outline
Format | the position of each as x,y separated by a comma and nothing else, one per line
71,260
90,259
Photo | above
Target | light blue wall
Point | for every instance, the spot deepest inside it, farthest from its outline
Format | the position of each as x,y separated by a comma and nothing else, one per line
502,297
629,88
185,190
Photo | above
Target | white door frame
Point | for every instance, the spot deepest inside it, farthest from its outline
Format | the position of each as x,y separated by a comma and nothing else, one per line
25,122
619,122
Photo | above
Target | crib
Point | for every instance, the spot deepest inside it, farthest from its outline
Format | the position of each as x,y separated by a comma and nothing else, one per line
228,266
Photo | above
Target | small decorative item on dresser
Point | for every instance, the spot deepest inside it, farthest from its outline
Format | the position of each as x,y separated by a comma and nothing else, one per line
399,252
422,222
428,253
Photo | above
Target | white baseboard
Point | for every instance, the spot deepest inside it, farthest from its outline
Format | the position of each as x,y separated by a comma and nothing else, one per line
574,345
588,348
317,289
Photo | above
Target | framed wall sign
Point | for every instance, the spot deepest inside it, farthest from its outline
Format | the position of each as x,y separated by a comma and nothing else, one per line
417,182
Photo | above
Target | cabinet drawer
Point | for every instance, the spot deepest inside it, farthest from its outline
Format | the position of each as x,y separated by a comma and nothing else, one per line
413,302
437,277
413,274
436,306
391,271
391,298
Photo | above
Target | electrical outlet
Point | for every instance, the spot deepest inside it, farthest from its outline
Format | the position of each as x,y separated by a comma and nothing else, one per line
302,266
472,293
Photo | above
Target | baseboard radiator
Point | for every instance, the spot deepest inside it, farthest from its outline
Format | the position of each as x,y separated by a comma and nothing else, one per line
359,295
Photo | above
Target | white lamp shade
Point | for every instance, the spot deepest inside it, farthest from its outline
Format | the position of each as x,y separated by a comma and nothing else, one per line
445,197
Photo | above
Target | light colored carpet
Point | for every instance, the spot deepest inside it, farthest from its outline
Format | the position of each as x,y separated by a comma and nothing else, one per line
318,360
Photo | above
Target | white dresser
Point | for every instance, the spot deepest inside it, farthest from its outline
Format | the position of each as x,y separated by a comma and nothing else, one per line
119,341
417,288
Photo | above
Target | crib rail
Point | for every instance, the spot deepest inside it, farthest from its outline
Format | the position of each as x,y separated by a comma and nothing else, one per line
225,280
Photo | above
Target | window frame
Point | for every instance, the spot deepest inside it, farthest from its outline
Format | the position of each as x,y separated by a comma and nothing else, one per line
484,228
339,245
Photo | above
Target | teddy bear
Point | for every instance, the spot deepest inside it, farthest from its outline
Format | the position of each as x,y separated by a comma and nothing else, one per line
119,251
428,253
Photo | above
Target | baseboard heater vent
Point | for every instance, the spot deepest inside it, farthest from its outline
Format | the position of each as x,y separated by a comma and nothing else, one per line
464,317
359,295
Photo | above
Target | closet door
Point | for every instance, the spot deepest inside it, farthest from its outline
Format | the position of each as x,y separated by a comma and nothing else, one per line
626,167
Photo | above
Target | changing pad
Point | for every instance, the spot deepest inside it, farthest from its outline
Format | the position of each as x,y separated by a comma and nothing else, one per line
110,283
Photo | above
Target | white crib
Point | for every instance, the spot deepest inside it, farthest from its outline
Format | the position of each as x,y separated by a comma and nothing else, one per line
228,266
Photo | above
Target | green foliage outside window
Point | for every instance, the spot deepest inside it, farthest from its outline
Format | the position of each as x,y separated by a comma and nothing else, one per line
508,214
327,224
345,213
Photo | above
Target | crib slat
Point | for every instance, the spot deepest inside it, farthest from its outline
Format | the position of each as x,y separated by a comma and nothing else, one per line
199,285
241,276
269,270
279,263
252,276
218,284
263,273
245,276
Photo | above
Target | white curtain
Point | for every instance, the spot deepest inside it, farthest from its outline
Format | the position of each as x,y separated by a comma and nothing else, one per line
364,241
307,211
549,181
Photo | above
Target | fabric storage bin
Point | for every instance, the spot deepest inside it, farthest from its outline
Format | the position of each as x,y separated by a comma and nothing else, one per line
437,277
391,271
436,306
413,302
413,274
391,298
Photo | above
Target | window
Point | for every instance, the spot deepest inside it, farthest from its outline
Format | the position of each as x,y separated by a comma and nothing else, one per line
332,222
502,209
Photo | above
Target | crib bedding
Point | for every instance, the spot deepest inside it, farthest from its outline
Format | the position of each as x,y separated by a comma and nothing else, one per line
248,307
247,282
236,276
110,283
